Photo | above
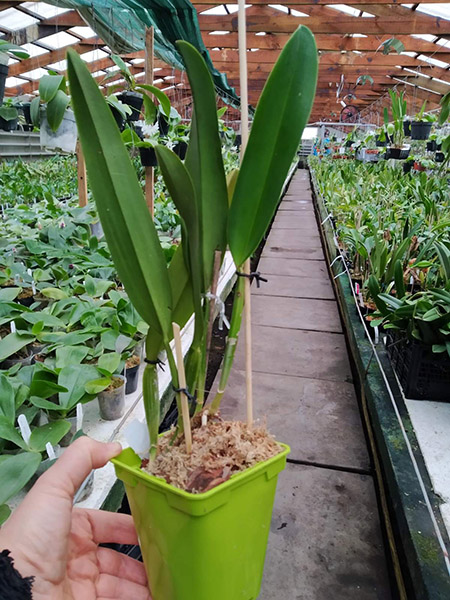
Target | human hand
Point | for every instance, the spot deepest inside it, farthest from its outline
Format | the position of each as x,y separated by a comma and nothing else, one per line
58,544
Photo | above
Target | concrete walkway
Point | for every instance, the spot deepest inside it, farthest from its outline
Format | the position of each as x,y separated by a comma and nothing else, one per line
325,541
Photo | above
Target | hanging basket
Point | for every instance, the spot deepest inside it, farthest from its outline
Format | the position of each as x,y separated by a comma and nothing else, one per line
420,130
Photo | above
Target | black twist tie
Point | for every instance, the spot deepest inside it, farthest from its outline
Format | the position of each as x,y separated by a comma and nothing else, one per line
253,275
158,362
186,392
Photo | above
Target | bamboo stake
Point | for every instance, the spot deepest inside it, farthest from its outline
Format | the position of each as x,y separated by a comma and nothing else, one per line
242,37
82,181
182,385
149,60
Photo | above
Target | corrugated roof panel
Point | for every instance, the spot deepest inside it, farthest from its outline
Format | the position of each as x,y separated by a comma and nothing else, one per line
59,40
13,19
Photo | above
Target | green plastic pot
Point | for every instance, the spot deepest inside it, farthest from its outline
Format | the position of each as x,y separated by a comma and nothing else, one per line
208,546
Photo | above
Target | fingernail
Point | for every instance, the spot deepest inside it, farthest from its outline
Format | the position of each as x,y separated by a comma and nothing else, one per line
116,448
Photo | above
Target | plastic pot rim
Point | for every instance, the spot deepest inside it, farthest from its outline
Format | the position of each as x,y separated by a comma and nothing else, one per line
158,482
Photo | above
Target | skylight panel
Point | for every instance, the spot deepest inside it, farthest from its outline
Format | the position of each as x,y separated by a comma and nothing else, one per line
417,73
98,74
84,32
112,69
140,74
44,10
433,61
408,5
443,42
358,35
61,65
220,32
297,13
35,73
280,7
59,40
366,14
261,33
412,54
437,10
424,36
93,55
13,82
13,19
34,50
137,61
348,10
168,88
216,10
158,80
12,61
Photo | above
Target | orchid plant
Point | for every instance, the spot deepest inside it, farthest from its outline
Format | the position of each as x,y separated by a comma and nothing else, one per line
163,295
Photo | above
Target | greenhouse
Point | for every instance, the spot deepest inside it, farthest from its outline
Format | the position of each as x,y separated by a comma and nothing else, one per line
224,300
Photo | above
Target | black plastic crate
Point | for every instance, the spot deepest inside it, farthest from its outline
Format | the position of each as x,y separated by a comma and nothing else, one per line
423,374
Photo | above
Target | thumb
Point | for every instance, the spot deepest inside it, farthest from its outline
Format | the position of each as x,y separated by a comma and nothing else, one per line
75,464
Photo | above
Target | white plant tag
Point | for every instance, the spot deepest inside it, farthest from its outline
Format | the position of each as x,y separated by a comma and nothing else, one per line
79,417
50,451
136,435
13,327
25,430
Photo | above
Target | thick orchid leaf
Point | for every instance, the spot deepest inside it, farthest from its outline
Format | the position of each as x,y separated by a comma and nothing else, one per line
127,223
15,472
56,109
162,98
48,86
282,113
204,160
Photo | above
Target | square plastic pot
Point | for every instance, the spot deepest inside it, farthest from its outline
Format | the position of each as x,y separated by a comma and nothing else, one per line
208,546
64,138
420,130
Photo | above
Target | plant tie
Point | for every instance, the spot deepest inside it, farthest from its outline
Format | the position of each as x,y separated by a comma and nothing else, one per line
254,275
186,392
221,306
158,362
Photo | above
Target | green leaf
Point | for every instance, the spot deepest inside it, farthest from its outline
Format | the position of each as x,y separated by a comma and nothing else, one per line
150,110
35,111
12,343
54,293
37,328
44,385
7,399
181,190
45,404
398,278
9,294
70,355
129,229
97,385
276,132
10,433
204,161
5,512
109,362
15,472
50,433
74,378
56,109
49,86
162,98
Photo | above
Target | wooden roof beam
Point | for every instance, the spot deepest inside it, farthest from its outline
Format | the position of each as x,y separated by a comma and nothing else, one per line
283,23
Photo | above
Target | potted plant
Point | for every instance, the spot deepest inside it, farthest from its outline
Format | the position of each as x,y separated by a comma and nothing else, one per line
226,527
395,129
51,113
421,126
9,115
6,50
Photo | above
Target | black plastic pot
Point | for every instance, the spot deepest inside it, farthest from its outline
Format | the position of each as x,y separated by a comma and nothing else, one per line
8,125
397,153
407,166
118,118
349,144
148,157
407,127
134,101
180,149
163,124
379,143
420,130
3,75
238,140
439,157
131,377
431,146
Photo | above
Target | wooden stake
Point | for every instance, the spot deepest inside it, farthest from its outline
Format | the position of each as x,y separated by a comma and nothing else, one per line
242,36
182,385
82,181
149,174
